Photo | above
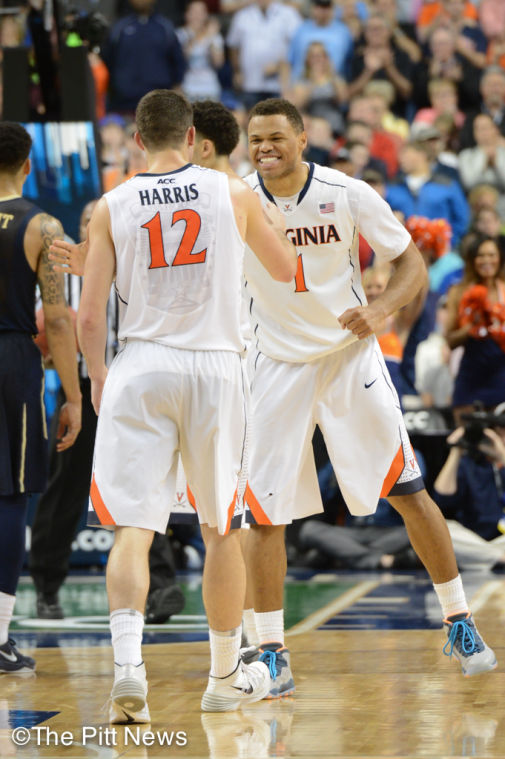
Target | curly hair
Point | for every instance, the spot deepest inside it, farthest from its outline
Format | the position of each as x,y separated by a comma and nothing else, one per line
15,146
216,123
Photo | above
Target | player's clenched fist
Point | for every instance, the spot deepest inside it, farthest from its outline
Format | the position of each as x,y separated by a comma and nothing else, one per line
362,321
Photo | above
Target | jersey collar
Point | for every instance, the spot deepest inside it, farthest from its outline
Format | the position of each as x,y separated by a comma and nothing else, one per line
302,192
164,173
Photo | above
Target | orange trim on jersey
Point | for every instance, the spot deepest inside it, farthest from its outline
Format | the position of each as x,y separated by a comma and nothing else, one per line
99,506
231,510
191,498
391,346
395,471
257,512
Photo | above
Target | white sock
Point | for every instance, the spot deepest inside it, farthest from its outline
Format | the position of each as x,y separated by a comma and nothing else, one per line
224,651
249,627
452,597
270,626
6,608
126,626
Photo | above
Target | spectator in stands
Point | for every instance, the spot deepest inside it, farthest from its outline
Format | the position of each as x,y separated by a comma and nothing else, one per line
486,161
492,91
320,91
483,196
259,39
381,95
389,9
434,379
203,48
487,222
352,13
383,146
470,490
445,62
435,14
420,192
322,27
443,96
380,58
476,320
492,21
359,133
471,42
142,53
441,160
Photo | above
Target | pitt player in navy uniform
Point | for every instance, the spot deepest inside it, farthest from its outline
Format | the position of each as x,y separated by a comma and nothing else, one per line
26,234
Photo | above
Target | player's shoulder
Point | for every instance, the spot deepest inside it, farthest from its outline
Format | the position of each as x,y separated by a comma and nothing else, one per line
325,175
252,180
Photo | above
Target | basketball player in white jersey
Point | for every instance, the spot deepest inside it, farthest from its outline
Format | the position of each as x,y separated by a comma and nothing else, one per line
319,363
174,239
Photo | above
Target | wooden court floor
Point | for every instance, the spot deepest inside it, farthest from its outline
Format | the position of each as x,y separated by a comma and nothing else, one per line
363,690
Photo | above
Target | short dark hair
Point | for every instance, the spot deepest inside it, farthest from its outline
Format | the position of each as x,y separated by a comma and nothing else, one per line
15,146
163,117
279,107
216,123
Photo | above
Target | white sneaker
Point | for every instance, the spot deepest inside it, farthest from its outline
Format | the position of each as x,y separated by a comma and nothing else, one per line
128,698
247,683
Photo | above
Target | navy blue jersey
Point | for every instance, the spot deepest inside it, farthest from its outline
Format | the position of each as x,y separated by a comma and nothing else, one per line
17,280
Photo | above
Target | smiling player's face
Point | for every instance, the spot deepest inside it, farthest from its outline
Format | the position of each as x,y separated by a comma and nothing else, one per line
275,148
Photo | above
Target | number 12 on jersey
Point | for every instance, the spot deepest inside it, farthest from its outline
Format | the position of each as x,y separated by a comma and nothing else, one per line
184,254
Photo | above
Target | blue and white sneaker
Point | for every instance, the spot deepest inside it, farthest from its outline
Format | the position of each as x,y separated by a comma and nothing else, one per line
465,644
12,662
277,658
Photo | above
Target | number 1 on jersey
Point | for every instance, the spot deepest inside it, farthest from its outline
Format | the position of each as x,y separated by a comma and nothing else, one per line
301,287
184,253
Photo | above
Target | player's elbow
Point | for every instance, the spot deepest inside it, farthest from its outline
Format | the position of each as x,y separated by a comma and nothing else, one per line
285,274
58,324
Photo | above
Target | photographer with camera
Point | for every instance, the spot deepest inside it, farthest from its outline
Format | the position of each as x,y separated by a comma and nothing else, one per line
470,490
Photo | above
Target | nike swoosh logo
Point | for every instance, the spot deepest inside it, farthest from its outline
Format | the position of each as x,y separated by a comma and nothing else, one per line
247,691
370,383
9,657
129,718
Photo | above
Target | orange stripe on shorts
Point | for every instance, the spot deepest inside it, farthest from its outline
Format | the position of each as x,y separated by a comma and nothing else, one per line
257,512
231,509
395,471
191,497
99,506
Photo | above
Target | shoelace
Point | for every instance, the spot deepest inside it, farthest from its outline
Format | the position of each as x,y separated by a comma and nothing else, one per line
269,658
470,641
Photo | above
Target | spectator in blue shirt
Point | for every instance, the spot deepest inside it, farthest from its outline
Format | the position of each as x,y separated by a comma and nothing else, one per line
419,192
142,53
324,28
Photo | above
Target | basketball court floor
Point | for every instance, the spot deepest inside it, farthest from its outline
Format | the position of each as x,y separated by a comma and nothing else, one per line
371,678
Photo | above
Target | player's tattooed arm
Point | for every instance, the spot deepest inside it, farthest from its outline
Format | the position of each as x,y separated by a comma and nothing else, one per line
51,283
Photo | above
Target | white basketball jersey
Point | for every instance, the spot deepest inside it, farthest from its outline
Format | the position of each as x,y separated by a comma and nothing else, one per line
299,321
179,259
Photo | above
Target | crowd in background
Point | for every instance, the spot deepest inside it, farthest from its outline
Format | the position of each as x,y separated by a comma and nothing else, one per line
407,95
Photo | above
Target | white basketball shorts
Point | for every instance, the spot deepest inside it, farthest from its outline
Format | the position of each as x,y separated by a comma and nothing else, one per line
349,394
157,402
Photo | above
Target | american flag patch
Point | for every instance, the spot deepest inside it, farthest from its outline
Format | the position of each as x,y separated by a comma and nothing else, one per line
326,207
